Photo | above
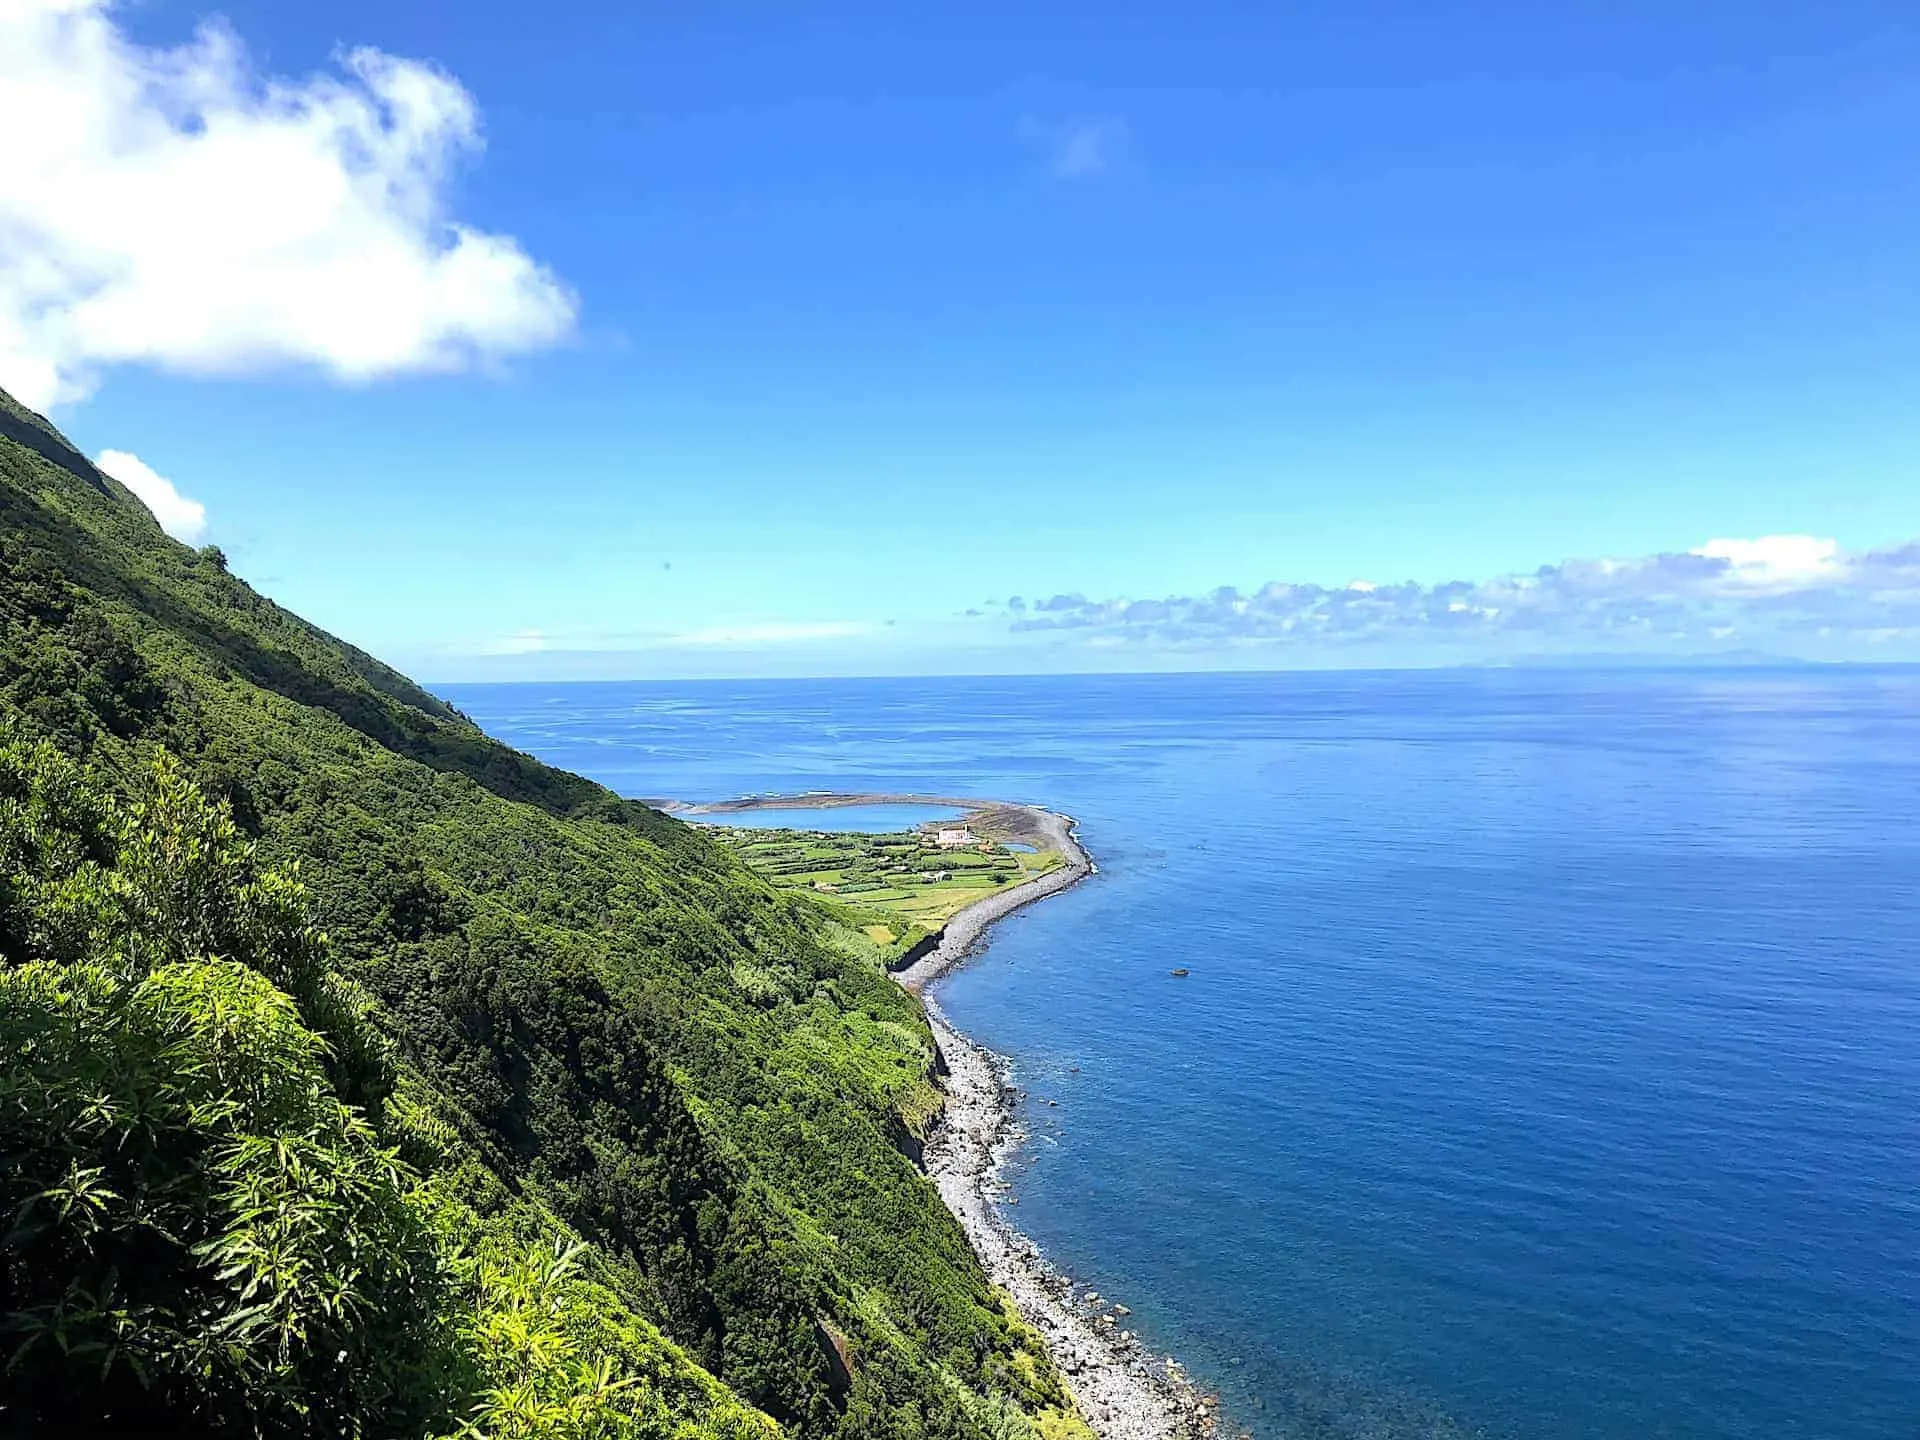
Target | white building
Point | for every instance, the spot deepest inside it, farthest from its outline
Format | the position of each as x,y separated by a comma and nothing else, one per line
953,839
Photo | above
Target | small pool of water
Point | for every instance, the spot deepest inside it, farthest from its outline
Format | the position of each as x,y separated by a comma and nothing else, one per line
863,819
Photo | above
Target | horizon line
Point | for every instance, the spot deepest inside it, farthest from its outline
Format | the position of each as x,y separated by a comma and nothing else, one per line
1544,664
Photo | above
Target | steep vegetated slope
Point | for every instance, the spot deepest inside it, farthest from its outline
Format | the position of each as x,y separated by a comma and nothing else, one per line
361,1075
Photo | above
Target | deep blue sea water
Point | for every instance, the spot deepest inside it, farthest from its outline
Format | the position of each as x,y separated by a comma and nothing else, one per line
1550,1061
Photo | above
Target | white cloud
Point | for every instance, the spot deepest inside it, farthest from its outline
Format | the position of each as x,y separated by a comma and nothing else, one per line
772,633
1775,561
1788,591
177,208
181,517
521,642
1079,148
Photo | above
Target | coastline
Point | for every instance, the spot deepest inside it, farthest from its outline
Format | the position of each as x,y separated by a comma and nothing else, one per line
964,929
1124,1391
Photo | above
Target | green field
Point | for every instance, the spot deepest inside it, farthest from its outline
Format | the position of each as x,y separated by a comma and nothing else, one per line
903,877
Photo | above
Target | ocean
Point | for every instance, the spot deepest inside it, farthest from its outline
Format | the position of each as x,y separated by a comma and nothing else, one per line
1549,1064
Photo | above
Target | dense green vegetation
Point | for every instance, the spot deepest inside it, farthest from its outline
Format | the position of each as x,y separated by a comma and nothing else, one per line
359,1075
911,884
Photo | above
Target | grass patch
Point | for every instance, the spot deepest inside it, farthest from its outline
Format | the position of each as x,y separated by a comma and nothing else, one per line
905,877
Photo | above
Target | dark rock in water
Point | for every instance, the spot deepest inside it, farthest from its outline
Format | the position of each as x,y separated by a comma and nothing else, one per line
1181,973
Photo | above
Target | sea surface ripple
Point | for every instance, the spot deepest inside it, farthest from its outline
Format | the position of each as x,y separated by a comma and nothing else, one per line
1549,1064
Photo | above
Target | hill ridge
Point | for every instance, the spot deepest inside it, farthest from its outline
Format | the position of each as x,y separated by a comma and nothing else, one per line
601,1032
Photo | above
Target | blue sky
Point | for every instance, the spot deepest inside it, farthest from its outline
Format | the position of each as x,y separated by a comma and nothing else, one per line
779,338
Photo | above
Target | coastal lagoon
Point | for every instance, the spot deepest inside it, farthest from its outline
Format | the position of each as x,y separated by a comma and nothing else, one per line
1549,1060
849,819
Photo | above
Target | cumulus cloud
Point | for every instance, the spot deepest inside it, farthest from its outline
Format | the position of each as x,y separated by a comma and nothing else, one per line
181,517
1798,591
1775,562
178,208
1078,148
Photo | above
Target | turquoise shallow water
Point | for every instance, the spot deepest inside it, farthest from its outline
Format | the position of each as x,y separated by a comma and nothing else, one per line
1550,1061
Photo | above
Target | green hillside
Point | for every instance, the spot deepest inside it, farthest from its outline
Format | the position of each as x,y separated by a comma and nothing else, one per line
360,1075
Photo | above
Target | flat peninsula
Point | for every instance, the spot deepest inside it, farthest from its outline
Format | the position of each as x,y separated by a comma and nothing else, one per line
1125,1391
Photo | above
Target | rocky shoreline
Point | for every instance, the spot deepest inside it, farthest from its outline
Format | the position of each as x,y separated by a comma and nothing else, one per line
1124,1391
963,931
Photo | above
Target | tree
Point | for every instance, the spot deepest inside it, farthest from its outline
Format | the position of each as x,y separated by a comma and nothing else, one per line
197,1231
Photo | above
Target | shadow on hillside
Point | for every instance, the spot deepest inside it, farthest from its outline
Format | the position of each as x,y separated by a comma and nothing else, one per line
23,427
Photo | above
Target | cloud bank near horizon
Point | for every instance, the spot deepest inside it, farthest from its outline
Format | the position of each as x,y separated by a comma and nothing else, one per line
1800,592
753,635
1790,597
175,207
